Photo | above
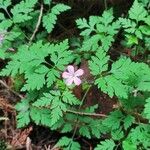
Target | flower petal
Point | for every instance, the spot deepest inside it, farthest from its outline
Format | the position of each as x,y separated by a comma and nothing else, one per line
66,75
79,72
69,81
77,81
70,69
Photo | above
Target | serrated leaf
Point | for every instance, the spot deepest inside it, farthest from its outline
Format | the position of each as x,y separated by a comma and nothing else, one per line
5,3
69,98
137,11
128,145
40,117
112,86
52,75
21,12
147,109
84,131
99,63
128,121
113,120
57,110
23,117
68,144
44,101
50,19
67,128
117,134
106,145
5,24
47,2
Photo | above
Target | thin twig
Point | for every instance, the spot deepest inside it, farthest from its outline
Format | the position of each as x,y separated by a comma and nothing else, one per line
38,24
86,114
105,4
6,86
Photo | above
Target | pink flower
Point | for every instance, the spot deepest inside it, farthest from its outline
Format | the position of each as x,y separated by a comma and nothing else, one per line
72,76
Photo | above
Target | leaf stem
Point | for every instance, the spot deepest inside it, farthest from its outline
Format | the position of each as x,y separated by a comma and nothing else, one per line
76,127
105,4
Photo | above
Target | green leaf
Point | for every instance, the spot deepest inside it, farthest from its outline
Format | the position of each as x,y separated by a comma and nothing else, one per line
112,86
117,134
147,109
140,136
99,63
57,110
5,24
44,101
99,31
47,2
128,145
128,121
69,98
137,11
35,63
5,3
21,12
23,117
67,128
52,75
128,25
2,54
64,141
91,44
50,19
107,17
113,120
145,29
84,131
131,39
2,17
89,28
106,145
41,116
30,82
68,144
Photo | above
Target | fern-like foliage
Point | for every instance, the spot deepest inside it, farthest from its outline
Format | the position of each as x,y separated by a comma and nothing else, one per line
50,102
94,64
57,102
106,145
140,136
24,116
31,62
98,30
21,12
136,25
5,3
147,110
68,144
119,80
50,19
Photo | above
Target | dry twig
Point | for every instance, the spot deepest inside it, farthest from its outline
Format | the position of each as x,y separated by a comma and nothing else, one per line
7,87
37,25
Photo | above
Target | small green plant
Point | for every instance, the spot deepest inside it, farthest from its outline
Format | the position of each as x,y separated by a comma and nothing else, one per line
50,100
137,28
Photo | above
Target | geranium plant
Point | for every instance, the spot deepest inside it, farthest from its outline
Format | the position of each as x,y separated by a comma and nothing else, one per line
51,71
